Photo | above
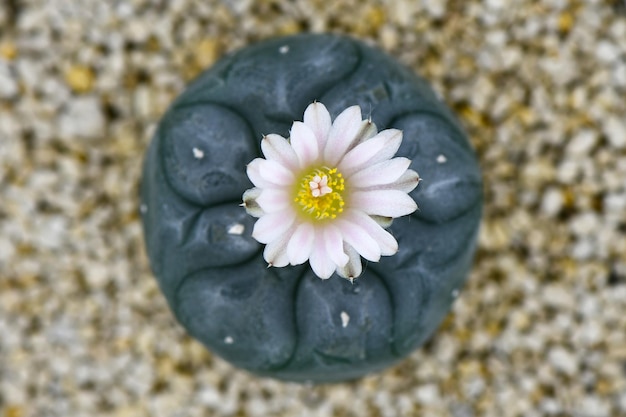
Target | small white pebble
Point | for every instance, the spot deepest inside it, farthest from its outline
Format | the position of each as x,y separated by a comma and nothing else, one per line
345,319
552,202
143,209
562,360
83,118
455,293
607,52
236,229
615,131
228,340
198,153
8,86
442,159
582,143
283,49
428,394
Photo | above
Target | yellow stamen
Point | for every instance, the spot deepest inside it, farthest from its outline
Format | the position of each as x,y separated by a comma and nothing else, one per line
319,193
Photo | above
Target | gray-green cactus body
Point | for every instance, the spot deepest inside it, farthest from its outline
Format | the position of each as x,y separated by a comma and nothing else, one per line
286,322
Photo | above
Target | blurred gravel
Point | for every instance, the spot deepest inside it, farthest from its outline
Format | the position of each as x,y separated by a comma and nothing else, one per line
540,329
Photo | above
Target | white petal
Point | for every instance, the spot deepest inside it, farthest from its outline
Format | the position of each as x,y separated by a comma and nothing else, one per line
321,264
368,130
389,203
304,143
359,239
253,171
300,244
333,241
406,183
273,199
278,148
317,118
379,148
250,202
387,243
393,142
381,173
275,253
269,227
342,134
354,267
275,173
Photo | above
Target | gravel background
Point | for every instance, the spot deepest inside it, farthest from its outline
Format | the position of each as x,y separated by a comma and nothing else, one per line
540,329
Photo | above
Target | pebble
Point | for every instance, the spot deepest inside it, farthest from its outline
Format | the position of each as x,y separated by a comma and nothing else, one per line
552,201
536,329
82,119
80,78
615,130
582,143
8,85
558,296
428,394
563,361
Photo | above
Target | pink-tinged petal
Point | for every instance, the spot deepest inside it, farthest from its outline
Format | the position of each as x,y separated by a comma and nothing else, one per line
275,252
253,171
277,148
275,173
317,118
269,227
301,244
387,243
321,264
406,183
273,199
377,149
381,173
250,204
389,203
342,134
333,241
355,236
391,147
354,267
368,130
304,143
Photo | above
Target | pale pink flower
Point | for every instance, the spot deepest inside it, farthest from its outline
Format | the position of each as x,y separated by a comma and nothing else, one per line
326,194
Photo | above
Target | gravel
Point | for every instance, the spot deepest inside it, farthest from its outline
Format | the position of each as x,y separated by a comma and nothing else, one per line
539,329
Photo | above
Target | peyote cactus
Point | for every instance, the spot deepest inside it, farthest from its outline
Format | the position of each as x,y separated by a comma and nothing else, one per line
286,322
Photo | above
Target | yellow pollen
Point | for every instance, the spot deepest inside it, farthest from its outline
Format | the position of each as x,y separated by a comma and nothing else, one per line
319,193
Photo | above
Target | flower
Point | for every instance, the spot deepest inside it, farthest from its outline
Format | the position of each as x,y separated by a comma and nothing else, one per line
326,194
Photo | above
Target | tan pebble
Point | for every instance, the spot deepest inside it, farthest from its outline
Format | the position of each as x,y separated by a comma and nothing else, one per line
80,78
8,51
370,22
129,411
376,17
290,27
521,320
13,411
206,52
493,235
565,22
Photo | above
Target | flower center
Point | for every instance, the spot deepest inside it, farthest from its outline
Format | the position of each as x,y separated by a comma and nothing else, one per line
319,193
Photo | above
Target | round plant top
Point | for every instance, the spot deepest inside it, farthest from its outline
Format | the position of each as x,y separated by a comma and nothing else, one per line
310,208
